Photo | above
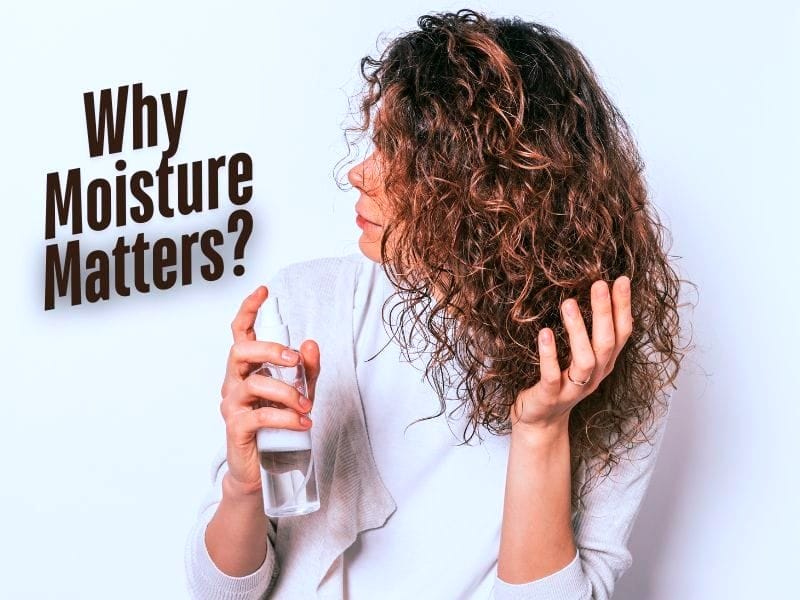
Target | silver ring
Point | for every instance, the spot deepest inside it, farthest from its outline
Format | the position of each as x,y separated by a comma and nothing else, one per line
578,382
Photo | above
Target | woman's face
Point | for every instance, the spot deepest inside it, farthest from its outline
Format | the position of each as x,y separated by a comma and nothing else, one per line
365,176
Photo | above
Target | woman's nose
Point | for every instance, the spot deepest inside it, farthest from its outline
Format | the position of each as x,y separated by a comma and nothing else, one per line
360,173
356,175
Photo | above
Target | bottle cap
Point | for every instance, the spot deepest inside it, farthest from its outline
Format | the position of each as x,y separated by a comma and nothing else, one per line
269,325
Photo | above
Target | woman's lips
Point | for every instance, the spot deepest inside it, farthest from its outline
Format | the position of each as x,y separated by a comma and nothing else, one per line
362,222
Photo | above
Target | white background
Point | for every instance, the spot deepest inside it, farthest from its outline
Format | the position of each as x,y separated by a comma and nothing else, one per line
110,411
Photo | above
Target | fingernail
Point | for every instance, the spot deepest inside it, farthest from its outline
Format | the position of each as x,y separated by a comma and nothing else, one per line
289,355
304,420
571,309
305,402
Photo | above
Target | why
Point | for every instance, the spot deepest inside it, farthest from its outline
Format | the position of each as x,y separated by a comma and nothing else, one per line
106,120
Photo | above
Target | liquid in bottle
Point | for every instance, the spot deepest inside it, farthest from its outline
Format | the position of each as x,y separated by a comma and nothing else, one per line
288,478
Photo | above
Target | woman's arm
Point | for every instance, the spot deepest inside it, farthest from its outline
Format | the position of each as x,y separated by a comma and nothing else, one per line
236,537
222,515
601,530
536,538
536,535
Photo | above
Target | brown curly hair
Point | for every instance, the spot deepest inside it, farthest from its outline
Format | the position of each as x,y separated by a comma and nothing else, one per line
514,183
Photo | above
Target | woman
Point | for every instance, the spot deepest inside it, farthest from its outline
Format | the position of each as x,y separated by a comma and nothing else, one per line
504,204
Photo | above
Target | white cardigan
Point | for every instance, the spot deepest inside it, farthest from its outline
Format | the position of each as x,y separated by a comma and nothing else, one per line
305,556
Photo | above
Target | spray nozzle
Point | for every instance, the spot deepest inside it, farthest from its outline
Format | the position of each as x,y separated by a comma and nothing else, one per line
269,314
269,325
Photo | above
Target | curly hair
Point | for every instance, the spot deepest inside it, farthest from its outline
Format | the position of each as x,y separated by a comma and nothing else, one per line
514,183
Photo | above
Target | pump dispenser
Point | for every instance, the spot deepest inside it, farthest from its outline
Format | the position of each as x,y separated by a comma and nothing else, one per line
288,477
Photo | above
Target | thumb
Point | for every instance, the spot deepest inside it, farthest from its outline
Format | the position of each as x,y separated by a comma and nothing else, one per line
309,349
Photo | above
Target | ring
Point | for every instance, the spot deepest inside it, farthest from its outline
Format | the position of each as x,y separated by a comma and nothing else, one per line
578,382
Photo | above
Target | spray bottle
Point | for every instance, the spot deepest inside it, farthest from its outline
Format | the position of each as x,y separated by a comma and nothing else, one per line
288,478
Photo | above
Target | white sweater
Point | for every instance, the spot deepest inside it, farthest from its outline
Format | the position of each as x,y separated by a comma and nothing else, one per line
451,497
408,514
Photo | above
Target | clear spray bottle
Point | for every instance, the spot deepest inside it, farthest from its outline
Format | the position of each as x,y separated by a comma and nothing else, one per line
288,478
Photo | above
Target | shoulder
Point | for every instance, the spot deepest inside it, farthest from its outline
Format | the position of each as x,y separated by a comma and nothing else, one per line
319,274
319,285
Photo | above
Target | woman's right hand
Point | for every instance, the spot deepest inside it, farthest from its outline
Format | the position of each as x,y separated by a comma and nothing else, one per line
243,391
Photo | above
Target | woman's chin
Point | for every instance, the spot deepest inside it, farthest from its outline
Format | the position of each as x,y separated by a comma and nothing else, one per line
369,249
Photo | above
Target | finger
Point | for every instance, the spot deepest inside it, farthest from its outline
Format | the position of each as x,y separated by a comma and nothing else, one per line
623,319
583,359
311,361
242,427
247,354
260,390
549,369
603,335
242,324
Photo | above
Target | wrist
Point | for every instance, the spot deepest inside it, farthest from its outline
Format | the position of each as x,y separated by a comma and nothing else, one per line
237,490
542,435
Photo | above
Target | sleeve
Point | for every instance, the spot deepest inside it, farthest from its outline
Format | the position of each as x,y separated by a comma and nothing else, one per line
205,581
601,530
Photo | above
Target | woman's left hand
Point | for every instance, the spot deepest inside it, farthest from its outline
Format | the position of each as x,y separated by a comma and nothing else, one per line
549,402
